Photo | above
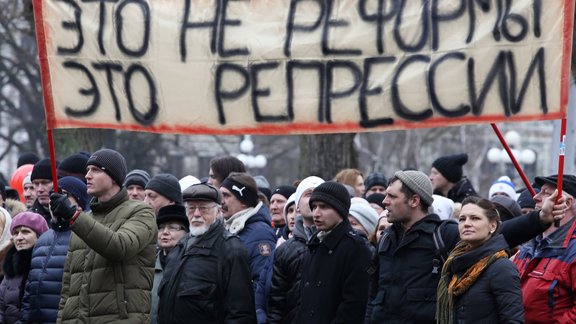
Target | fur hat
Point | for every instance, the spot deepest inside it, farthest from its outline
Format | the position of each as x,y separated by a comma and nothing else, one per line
111,162
34,221
450,166
525,199
137,177
366,215
375,179
418,182
77,189
167,185
173,213
73,165
507,207
504,185
307,183
42,170
333,194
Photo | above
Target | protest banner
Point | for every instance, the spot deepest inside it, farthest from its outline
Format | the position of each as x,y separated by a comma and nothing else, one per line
301,66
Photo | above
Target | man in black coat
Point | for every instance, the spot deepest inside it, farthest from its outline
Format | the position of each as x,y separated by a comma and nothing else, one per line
407,260
334,285
207,278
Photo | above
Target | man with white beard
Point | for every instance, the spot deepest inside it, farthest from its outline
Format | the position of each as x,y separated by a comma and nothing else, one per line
207,277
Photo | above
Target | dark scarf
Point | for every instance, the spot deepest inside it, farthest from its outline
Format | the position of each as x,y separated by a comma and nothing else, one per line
452,286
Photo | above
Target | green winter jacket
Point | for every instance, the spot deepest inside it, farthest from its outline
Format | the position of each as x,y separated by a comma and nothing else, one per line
110,265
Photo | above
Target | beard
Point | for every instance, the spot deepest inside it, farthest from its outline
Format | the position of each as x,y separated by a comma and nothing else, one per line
198,230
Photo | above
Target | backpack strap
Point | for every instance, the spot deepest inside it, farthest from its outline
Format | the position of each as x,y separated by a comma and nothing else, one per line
441,251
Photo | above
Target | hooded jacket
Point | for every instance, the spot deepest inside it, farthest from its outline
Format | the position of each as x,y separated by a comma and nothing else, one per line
42,295
110,265
285,287
548,276
16,267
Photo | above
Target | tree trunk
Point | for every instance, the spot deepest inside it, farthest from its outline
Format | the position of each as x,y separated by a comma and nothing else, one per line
325,155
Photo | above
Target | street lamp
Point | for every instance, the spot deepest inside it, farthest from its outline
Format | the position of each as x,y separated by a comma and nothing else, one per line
250,161
500,156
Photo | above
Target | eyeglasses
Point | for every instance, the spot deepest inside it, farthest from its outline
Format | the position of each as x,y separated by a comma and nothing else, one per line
171,227
202,208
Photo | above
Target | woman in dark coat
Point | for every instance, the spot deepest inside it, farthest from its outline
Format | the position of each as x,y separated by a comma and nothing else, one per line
479,284
26,227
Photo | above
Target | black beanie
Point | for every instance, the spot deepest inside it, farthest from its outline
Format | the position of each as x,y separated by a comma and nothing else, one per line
173,213
525,199
333,194
285,191
137,177
27,158
73,165
42,170
376,198
451,166
111,162
167,185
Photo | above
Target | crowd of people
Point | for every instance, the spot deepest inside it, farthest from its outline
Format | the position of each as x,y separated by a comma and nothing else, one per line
113,245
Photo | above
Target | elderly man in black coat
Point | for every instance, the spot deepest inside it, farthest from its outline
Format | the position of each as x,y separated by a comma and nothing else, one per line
334,285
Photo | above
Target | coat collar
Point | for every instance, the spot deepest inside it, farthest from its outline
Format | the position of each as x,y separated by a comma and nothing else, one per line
105,207
334,237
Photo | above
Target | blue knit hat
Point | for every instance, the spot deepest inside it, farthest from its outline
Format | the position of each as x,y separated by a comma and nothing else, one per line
77,189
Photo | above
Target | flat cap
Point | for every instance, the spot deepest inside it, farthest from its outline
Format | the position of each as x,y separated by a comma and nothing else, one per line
202,191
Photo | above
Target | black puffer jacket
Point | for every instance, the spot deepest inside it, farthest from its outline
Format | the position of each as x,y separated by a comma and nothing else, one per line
284,293
406,280
16,268
207,280
497,289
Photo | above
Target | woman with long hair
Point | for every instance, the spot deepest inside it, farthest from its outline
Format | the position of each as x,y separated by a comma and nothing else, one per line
479,284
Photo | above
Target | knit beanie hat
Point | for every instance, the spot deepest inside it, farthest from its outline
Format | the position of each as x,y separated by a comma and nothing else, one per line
334,194
375,179
77,189
167,185
419,183
27,158
504,185
137,177
451,166
111,162
31,220
443,207
366,215
285,191
507,207
73,165
173,213
525,199
42,170
376,198
291,201
307,183
187,181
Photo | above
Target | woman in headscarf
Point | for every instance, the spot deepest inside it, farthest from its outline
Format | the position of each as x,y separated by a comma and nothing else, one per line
479,284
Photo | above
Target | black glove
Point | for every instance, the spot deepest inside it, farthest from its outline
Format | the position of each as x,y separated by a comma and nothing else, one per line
61,206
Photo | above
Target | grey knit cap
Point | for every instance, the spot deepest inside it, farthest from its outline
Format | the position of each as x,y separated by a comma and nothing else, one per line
419,183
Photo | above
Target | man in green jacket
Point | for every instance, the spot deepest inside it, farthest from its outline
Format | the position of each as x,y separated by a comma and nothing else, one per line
110,265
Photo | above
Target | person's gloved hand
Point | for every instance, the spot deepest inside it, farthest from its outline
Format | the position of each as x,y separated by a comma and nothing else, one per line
61,206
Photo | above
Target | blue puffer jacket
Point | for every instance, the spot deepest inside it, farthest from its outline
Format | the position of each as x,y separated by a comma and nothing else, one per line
253,226
42,295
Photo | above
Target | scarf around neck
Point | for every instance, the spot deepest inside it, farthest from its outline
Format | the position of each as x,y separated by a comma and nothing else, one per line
451,286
